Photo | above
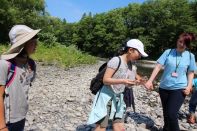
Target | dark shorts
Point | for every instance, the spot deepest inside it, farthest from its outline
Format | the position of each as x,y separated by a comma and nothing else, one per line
104,121
18,126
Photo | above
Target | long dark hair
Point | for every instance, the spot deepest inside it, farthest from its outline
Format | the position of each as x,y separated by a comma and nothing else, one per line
123,49
22,54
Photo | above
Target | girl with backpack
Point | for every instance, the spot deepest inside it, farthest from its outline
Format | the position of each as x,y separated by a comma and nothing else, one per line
17,71
176,81
109,102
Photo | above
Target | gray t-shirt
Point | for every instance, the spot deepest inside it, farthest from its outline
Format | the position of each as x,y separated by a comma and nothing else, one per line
17,90
120,74
131,74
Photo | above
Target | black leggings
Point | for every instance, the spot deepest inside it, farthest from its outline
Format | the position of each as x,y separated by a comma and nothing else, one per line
171,102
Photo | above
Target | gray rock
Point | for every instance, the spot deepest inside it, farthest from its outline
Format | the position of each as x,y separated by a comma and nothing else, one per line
185,125
158,122
60,100
141,129
142,125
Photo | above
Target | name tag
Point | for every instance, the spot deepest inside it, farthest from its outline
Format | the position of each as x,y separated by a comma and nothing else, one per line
174,74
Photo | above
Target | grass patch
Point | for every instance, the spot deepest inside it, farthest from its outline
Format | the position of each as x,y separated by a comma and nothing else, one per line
60,55
3,48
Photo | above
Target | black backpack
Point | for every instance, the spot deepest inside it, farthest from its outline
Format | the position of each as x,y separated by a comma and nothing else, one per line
97,82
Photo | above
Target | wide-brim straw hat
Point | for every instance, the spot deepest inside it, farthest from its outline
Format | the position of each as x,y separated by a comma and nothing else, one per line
19,35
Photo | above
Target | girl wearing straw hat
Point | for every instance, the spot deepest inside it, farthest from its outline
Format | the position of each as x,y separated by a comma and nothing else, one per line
17,71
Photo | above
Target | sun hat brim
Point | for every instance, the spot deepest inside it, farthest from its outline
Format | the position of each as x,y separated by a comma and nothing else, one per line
11,55
17,47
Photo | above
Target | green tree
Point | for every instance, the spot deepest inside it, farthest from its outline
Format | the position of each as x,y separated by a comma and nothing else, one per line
18,12
164,20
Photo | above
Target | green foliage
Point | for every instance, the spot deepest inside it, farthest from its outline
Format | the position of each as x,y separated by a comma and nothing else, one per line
64,56
59,54
100,35
165,20
48,39
19,12
157,23
3,48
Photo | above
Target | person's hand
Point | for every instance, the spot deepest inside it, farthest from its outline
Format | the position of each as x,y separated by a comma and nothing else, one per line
129,82
187,90
149,85
138,82
142,81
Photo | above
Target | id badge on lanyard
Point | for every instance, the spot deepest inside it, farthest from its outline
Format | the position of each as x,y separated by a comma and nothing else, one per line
175,74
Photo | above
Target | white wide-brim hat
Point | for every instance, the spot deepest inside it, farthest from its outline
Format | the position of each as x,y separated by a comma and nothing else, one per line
137,44
19,35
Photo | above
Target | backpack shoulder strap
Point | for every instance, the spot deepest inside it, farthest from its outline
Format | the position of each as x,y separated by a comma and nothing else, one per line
168,55
189,60
189,55
170,52
118,65
11,74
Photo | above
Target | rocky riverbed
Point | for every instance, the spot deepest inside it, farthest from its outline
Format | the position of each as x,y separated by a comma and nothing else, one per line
60,100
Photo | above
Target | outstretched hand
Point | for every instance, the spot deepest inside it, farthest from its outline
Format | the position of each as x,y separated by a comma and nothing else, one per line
149,85
129,82
140,82
187,90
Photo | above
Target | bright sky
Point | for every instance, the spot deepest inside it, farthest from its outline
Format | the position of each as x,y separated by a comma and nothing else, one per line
72,10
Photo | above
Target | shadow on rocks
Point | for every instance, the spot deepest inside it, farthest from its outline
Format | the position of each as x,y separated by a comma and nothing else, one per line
137,119
182,115
85,127
141,120
92,127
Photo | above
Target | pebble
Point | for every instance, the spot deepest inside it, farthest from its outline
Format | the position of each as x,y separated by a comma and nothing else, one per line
60,100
